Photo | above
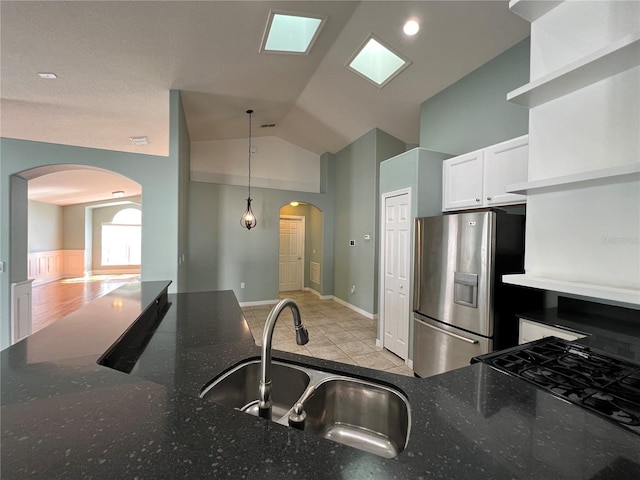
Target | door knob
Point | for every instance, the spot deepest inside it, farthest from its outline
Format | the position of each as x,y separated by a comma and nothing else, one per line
488,198
401,286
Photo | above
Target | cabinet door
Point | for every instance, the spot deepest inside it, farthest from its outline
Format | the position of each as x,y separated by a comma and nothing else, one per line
530,331
462,181
504,164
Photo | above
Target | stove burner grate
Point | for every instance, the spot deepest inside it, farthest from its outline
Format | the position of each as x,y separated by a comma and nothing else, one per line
601,384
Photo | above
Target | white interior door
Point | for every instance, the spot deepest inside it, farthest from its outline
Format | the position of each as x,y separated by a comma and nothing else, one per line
396,274
291,254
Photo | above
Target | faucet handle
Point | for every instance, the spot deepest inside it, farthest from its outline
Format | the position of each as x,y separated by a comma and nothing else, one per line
298,416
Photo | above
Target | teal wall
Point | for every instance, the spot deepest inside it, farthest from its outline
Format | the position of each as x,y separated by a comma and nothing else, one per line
357,214
44,226
222,254
180,149
474,113
161,179
316,245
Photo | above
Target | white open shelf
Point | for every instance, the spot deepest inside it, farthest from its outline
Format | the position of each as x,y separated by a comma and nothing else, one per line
532,9
616,57
582,179
575,288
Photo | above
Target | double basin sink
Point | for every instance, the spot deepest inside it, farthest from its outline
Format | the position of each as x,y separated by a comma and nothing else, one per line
359,413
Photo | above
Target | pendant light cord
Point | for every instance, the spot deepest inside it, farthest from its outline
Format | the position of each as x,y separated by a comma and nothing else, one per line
250,112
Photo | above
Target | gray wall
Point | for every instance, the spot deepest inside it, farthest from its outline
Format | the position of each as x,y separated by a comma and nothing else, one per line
44,227
74,220
357,215
222,254
473,112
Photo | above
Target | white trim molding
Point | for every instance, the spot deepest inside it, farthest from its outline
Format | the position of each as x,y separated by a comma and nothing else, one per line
52,265
258,303
318,294
21,295
354,308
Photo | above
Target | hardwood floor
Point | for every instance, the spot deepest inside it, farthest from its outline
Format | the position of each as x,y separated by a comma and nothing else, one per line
55,300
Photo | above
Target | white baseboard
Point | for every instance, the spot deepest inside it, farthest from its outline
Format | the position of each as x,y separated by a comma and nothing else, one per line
258,303
409,363
379,343
119,271
318,294
43,281
354,308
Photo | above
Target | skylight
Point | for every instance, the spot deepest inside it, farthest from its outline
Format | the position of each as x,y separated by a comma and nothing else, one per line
291,32
377,63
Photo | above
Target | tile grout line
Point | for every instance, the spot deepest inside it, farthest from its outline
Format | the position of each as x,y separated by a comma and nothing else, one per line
334,324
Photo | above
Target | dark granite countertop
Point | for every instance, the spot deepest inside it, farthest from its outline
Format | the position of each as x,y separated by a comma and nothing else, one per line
65,416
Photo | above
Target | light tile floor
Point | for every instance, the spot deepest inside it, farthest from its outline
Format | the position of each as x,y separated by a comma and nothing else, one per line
335,333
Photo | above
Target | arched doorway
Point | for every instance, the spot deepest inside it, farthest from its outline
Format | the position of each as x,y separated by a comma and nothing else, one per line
301,247
53,215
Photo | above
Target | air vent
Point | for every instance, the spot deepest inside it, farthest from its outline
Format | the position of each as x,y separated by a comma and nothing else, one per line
139,141
268,125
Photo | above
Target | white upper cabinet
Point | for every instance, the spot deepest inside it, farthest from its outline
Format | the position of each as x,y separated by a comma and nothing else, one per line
504,164
462,181
478,179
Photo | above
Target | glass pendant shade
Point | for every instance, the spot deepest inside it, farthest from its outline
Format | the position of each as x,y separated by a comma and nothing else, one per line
248,220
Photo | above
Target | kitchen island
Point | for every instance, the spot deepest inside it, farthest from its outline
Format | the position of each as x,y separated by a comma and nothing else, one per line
66,416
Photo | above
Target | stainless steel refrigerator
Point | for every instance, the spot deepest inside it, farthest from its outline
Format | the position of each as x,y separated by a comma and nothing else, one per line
461,307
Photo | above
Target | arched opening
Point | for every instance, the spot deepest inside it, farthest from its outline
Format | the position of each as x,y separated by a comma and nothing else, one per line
58,214
301,247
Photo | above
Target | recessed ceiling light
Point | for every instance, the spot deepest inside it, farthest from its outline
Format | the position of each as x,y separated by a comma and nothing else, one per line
377,62
411,27
139,141
47,75
118,193
291,32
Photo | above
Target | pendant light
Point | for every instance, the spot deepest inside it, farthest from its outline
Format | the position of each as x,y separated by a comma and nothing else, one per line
248,220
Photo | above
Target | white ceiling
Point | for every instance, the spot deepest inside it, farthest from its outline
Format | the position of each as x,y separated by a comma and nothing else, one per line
69,187
117,61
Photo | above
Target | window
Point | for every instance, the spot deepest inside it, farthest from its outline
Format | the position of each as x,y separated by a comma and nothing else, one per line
121,238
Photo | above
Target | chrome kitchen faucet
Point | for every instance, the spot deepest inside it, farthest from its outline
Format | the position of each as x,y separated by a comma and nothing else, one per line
302,337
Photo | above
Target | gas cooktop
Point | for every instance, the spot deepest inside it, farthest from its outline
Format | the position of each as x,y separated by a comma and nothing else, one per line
593,380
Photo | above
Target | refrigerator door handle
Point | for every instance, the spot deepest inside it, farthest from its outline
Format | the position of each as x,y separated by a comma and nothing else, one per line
451,334
417,284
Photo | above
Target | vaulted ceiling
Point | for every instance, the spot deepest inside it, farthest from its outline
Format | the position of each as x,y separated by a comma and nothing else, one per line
117,61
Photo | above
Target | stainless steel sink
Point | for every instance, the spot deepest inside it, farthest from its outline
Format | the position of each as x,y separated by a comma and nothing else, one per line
360,414
363,414
238,388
